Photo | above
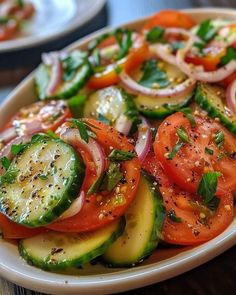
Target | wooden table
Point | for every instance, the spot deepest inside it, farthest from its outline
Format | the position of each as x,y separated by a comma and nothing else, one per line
215,277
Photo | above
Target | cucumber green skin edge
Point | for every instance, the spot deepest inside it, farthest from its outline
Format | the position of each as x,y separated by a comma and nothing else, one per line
71,193
160,214
164,110
85,72
75,262
213,112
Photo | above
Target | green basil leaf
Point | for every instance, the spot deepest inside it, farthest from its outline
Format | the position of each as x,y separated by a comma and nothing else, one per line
219,138
228,57
206,30
155,34
17,148
208,186
119,155
112,177
175,149
209,151
183,136
171,214
152,74
5,163
213,204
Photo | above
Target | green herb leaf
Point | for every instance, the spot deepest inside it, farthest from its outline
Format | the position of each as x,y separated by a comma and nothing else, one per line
206,30
17,148
183,136
95,187
176,45
221,156
230,55
175,149
209,151
76,105
20,3
96,57
219,138
71,64
9,176
52,134
112,177
124,40
171,214
5,163
208,186
188,114
155,34
119,155
4,20
152,74
82,129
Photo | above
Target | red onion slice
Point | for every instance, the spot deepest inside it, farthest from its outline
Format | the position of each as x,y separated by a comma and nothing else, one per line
231,96
123,124
197,72
143,143
8,134
72,136
53,59
129,84
75,207
164,52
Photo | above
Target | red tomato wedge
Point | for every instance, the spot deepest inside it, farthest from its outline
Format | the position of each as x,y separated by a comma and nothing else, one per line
101,209
192,229
137,54
170,18
192,160
12,230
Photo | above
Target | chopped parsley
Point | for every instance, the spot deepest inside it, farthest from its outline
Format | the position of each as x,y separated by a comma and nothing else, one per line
96,57
155,34
208,186
124,40
84,130
206,30
219,138
171,214
228,57
9,176
175,149
17,148
209,151
152,75
71,63
119,155
183,136
5,162
188,114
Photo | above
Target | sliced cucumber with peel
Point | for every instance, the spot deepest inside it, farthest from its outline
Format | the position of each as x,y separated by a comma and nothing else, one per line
109,103
211,98
44,180
144,220
56,251
67,88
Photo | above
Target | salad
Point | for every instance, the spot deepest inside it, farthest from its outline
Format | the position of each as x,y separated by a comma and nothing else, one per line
131,144
13,14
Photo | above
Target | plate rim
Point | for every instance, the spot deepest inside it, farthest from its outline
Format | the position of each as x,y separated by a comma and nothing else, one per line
133,277
32,41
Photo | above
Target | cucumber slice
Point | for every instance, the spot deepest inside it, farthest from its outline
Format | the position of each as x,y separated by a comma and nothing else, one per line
161,107
211,98
57,251
144,220
66,89
44,180
109,103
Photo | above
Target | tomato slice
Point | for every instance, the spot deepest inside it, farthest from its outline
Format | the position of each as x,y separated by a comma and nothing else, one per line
137,54
8,30
191,161
170,18
210,60
192,228
43,115
101,209
12,230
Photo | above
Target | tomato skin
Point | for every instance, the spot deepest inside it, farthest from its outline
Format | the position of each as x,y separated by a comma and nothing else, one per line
191,230
135,57
228,80
12,230
101,209
170,18
8,31
210,61
188,165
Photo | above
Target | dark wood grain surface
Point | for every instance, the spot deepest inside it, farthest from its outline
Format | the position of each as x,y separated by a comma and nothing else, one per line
215,277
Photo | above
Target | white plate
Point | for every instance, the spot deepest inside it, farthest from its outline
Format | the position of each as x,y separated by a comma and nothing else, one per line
163,264
53,19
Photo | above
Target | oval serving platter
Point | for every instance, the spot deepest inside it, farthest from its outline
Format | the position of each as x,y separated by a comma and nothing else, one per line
163,264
